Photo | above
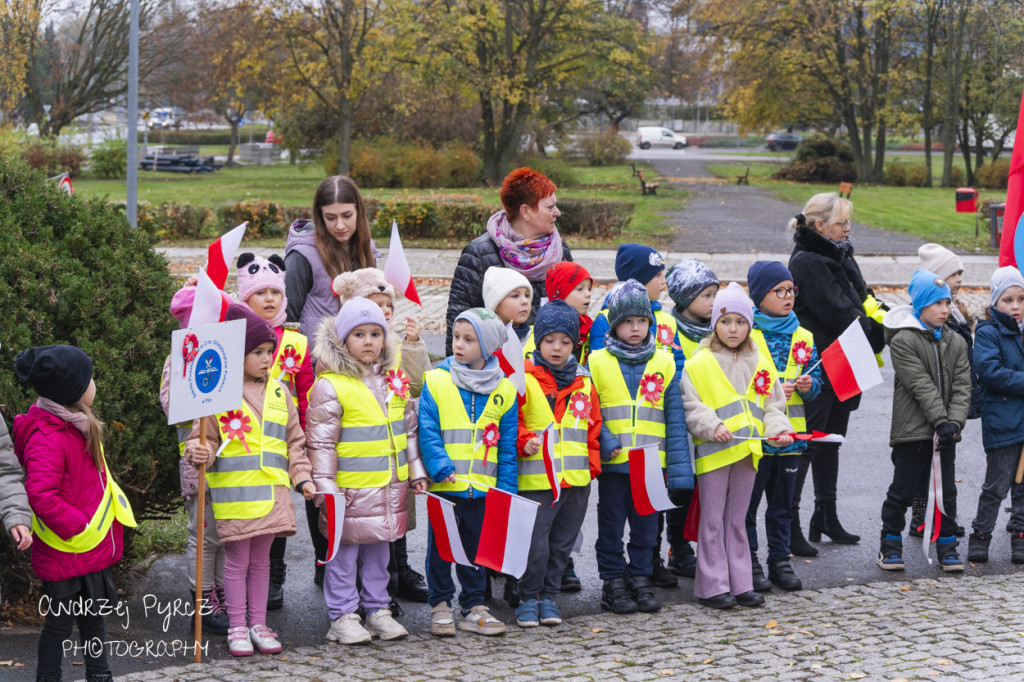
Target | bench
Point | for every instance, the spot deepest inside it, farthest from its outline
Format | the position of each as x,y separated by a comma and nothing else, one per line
744,179
646,188
635,171
845,188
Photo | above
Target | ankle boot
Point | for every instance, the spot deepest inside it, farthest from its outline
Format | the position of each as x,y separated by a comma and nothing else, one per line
826,521
917,517
949,560
683,561
615,597
405,582
1017,548
761,583
781,573
662,577
890,553
214,613
977,548
798,545
275,596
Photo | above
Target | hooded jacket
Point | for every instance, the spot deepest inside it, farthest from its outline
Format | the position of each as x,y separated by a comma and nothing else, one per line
371,514
933,377
999,362
14,509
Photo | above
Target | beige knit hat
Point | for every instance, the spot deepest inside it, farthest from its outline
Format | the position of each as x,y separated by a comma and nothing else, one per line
940,260
499,283
362,283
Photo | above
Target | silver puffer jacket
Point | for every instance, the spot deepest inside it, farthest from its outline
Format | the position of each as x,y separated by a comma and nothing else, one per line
371,514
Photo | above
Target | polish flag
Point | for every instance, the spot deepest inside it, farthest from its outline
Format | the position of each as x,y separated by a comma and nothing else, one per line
1011,248
692,524
510,357
396,268
850,363
506,532
210,303
441,513
647,481
819,436
220,257
334,509
547,439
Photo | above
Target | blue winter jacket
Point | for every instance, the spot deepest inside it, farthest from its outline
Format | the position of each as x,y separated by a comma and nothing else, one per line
432,451
677,447
600,328
999,362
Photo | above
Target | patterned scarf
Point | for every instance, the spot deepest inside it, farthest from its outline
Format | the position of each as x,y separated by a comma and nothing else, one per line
631,355
529,257
695,331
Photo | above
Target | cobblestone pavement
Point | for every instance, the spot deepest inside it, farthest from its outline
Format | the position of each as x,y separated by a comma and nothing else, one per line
941,629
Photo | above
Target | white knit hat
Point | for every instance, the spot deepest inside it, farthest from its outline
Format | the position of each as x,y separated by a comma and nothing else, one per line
940,260
499,283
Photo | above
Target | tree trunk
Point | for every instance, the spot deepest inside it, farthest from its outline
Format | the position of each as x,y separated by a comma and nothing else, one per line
956,17
233,122
931,25
344,135
490,171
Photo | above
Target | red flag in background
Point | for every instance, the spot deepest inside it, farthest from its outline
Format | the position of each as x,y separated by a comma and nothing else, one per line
220,256
1009,249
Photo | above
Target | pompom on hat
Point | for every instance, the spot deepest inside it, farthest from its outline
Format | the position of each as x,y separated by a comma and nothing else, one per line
361,284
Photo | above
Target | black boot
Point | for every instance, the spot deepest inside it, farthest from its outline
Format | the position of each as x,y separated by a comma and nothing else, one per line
917,517
571,581
684,561
826,521
215,612
890,553
1017,548
641,589
615,597
275,596
318,574
511,593
662,577
798,545
406,583
99,677
781,573
949,560
56,677
761,583
977,548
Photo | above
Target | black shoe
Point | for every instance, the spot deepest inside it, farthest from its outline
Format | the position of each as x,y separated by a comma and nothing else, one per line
56,677
571,581
663,577
642,590
917,517
683,562
1017,548
959,532
275,596
977,548
781,573
615,597
719,601
411,585
511,594
949,560
825,521
99,677
318,574
750,599
214,613
798,545
890,553
761,583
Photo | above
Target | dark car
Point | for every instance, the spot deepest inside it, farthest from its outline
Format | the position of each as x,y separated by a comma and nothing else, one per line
779,141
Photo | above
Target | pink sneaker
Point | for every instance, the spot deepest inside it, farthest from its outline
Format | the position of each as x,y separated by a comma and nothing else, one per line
238,641
264,639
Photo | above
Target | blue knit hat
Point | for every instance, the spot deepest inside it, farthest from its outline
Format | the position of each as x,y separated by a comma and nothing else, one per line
628,299
557,316
639,262
765,275
927,288
686,279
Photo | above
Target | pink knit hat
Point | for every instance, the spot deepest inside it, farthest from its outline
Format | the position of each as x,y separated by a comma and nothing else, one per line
256,273
181,304
362,283
732,299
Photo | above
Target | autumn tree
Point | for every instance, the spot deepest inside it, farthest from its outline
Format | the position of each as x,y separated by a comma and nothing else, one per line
19,21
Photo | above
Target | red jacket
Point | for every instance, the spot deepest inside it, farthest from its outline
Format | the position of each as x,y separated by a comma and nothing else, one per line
550,388
64,490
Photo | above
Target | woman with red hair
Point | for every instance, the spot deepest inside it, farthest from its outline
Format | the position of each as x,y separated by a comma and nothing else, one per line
522,236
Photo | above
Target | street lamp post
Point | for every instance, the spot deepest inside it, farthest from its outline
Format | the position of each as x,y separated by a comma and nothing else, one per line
132,203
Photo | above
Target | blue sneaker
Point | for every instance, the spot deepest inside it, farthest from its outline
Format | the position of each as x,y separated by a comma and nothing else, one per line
549,613
526,614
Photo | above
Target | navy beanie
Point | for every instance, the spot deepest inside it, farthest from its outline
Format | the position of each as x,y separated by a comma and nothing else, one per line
628,299
639,262
557,316
58,373
765,275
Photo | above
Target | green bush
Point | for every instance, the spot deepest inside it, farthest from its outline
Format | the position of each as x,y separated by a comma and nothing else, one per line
110,159
902,174
606,148
817,170
993,176
52,157
821,147
205,136
266,219
557,169
75,272
593,219
170,221
382,162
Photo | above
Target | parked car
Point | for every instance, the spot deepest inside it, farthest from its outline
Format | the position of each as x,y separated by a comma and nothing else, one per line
780,141
652,136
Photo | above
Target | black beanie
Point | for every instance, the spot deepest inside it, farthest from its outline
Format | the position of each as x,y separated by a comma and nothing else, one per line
58,373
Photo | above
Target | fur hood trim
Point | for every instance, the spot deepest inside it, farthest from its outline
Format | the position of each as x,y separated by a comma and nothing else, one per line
332,355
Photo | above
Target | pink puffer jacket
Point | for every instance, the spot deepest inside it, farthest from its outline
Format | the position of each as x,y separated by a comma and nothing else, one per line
371,514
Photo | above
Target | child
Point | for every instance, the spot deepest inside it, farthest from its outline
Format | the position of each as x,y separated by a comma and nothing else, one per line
261,288
466,394
732,398
640,405
999,360
59,441
250,499
930,399
362,441
570,282
778,334
559,392
508,295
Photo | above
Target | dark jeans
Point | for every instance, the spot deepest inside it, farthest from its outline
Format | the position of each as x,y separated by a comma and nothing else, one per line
776,480
614,508
675,521
277,548
313,521
57,629
999,480
909,460
824,413
469,515
554,534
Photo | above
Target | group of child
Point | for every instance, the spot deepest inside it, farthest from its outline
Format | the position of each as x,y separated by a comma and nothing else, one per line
727,369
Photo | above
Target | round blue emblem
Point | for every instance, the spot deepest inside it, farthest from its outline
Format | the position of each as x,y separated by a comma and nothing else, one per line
208,371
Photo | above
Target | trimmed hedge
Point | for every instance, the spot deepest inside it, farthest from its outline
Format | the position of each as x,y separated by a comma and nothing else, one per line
204,136
382,162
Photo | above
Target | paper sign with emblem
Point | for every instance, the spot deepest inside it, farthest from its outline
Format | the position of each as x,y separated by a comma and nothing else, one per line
206,370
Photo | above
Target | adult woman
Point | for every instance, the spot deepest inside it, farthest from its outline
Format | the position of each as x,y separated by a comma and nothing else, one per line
832,295
522,236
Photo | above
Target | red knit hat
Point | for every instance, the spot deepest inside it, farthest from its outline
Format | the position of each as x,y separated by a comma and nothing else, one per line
563,277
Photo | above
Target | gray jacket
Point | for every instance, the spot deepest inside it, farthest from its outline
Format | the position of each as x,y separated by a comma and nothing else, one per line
14,509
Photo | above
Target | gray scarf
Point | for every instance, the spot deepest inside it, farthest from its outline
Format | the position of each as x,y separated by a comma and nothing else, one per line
477,380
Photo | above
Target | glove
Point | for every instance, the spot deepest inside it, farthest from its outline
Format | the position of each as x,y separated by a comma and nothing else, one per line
948,434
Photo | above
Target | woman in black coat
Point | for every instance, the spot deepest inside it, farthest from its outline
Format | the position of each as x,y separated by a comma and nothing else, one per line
832,294
521,236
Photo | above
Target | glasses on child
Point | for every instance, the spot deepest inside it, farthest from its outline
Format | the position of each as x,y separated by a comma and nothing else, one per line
785,293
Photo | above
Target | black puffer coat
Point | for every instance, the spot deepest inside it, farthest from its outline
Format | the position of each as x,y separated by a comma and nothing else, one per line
964,330
468,281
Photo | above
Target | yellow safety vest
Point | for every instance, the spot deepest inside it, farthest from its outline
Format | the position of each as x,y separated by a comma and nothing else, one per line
461,436
795,405
689,347
529,345
370,438
743,415
663,319
242,481
113,505
635,423
300,345
571,456
873,307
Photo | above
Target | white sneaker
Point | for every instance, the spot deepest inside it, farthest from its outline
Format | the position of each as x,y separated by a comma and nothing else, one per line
381,624
441,622
264,639
480,621
238,641
347,630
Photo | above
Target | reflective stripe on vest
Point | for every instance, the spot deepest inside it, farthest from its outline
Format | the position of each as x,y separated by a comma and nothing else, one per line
743,415
635,426
242,481
113,505
461,436
369,438
795,404
571,458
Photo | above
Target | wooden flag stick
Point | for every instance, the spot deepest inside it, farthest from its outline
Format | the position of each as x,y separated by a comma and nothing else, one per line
1020,466
201,509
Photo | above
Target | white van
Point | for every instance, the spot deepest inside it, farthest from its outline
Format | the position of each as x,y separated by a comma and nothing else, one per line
654,136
